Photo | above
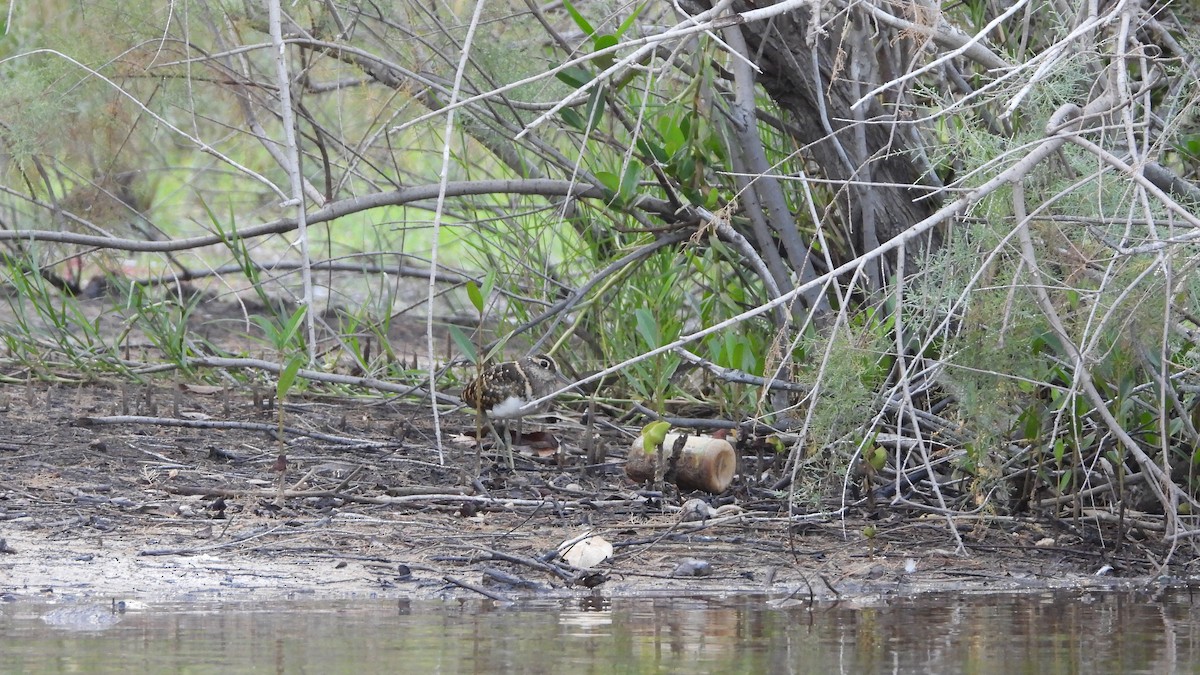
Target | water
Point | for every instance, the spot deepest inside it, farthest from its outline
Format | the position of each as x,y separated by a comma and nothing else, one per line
1090,632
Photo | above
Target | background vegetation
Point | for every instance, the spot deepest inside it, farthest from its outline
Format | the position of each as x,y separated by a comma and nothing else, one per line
932,257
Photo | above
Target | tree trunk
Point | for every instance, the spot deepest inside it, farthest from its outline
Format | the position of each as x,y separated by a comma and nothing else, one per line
873,150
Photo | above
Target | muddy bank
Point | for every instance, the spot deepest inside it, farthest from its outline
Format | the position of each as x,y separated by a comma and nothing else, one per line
151,510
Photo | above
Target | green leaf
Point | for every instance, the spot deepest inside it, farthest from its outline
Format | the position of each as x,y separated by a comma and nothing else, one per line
673,137
604,42
213,219
495,351
879,458
475,296
742,357
647,326
601,42
652,151
287,377
489,283
685,170
1063,482
725,355
574,119
268,327
1060,449
575,76
654,434
595,107
1033,425
578,18
292,326
464,343
611,183
629,182
628,22
1174,426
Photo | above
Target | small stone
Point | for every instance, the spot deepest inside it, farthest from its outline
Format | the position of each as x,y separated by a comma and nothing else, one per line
692,567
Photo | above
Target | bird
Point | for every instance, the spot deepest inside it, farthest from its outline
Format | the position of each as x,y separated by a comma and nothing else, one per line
501,392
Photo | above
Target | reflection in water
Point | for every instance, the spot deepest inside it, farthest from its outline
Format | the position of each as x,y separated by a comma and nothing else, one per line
1048,633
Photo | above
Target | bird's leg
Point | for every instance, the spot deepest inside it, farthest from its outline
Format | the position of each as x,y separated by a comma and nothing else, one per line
507,440
480,420
499,430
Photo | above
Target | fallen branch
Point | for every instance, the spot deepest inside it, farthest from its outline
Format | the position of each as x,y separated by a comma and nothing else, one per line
270,429
476,588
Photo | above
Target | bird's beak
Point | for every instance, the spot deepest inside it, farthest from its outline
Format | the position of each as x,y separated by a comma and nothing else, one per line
563,378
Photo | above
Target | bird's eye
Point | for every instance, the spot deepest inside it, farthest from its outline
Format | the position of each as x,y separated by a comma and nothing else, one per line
544,362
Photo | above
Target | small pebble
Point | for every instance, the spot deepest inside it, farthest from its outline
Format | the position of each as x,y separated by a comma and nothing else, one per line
692,567
696,509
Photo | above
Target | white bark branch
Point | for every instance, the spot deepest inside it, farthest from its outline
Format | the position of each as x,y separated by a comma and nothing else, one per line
292,164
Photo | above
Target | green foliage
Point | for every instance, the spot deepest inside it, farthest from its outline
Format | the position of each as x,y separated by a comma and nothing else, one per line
287,376
1014,379
656,323
283,332
878,458
464,344
39,310
855,368
165,322
654,434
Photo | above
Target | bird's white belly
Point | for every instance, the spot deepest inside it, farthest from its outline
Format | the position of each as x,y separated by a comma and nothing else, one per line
508,408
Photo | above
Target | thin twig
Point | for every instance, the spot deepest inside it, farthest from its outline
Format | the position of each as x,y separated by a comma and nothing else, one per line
270,429
475,587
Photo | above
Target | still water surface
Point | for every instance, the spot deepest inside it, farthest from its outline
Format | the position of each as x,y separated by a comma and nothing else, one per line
1090,632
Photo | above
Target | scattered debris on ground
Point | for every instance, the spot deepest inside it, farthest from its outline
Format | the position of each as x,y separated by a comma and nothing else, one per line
187,496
